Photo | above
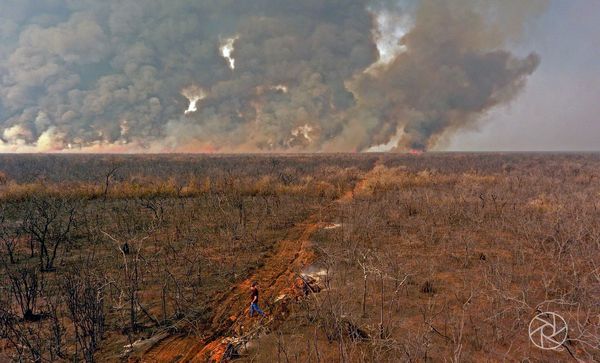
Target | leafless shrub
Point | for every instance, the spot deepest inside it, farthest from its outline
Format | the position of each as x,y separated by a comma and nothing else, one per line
26,285
49,221
85,302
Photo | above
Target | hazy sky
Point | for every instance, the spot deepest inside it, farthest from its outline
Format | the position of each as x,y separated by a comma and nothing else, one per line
560,106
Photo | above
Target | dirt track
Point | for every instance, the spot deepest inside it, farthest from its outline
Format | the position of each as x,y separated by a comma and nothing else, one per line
276,278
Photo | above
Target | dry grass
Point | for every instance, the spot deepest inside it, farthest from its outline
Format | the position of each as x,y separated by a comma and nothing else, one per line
456,252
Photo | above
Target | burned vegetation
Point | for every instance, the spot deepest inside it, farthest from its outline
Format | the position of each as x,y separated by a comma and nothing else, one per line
360,257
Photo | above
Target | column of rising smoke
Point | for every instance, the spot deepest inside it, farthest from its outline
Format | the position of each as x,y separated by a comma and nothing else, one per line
266,75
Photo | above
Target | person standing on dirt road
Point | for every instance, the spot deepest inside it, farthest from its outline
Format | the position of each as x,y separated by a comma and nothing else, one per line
254,302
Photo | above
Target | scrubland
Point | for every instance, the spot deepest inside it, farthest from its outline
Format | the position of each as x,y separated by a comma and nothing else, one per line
360,257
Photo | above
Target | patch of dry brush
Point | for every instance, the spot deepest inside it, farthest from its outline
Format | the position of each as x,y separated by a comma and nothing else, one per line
434,257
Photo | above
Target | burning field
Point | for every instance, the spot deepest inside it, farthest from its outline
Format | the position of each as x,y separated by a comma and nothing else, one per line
358,257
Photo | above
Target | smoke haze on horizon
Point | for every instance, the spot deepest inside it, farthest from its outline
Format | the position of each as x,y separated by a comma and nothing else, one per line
255,76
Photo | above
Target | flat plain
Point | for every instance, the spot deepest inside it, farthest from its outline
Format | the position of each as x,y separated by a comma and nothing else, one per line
359,257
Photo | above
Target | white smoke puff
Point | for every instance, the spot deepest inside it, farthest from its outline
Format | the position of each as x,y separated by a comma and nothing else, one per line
260,90
391,27
124,128
193,94
390,145
16,134
50,139
226,50
192,107
304,130
280,87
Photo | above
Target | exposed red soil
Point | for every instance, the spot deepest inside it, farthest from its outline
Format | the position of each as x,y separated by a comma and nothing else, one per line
277,277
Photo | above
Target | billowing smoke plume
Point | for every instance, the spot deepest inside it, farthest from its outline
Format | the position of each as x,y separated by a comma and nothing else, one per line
261,75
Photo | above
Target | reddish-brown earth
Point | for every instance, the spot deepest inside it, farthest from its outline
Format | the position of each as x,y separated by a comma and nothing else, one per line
277,277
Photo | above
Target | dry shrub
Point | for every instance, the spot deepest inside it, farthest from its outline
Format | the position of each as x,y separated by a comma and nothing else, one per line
543,204
472,178
18,192
3,178
324,189
339,176
383,179
428,288
195,186
263,186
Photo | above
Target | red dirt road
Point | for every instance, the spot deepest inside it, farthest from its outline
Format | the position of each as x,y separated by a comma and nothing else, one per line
276,277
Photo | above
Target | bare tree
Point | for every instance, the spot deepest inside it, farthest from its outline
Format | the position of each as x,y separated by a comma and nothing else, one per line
24,338
108,178
132,277
26,284
49,222
10,235
85,302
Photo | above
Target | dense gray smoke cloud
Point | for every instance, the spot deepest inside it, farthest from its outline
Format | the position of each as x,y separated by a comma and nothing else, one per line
261,75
